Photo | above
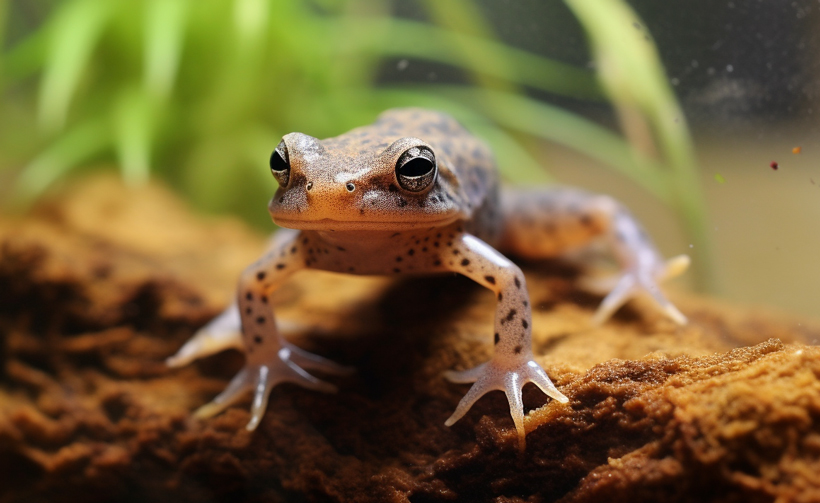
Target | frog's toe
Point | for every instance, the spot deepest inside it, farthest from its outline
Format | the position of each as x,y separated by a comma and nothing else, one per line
510,380
222,333
465,376
315,362
261,378
633,283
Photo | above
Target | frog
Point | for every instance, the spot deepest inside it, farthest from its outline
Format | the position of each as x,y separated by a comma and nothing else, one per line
415,193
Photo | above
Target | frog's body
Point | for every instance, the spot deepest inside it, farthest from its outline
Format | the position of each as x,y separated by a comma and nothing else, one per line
416,193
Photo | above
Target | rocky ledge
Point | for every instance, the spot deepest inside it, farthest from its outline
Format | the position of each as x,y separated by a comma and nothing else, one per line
100,284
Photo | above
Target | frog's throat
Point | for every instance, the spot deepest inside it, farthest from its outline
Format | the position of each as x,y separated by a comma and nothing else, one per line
327,224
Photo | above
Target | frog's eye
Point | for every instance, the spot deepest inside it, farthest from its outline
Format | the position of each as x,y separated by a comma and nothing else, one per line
416,169
280,164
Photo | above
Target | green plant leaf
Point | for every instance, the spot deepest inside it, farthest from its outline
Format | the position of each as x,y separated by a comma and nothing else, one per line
164,30
132,134
73,32
631,73
413,39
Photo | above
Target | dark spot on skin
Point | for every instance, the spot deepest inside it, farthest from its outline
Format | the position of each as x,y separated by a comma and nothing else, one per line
249,296
257,339
427,239
418,241
455,252
304,241
395,234
525,324
518,350
293,250
526,303
517,282
340,248
260,320
264,299
396,270
511,314
282,199
586,220
310,251
411,252
490,279
248,310
361,211
424,249
500,296
393,188
402,202
437,262
351,269
449,243
465,262
260,275
497,338
435,244
280,266
438,236
422,203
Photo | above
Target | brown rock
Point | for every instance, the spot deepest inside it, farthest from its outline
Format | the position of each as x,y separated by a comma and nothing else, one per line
98,287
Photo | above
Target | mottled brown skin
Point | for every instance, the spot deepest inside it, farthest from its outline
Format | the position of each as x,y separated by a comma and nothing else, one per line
348,212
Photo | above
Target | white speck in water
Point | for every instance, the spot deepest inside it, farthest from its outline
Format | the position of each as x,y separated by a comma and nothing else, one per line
402,65
694,63
675,81
730,68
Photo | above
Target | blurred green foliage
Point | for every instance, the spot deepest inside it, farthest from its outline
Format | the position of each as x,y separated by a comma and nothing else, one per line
198,93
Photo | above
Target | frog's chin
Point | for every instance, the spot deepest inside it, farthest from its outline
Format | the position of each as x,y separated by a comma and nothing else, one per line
328,224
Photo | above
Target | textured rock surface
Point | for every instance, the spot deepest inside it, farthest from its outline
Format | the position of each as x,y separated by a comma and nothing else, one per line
99,286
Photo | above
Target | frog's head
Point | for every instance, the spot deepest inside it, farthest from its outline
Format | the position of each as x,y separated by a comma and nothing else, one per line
363,181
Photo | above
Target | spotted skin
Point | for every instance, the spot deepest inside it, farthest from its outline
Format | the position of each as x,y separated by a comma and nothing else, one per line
346,210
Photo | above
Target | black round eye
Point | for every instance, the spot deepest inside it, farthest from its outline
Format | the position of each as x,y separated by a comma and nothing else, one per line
280,164
416,169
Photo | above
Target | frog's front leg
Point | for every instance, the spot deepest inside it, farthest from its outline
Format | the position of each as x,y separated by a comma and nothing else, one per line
546,223
225,331
512,364
270,359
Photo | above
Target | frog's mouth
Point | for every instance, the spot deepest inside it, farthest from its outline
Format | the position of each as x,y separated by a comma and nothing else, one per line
329,224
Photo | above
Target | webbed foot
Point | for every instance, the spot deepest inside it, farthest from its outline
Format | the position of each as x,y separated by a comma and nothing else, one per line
640,281
491,376
263,377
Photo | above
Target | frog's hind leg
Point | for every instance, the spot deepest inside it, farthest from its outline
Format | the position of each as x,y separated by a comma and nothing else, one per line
547,223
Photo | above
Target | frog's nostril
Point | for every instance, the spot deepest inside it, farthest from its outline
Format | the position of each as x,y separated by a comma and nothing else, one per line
350,187
309,185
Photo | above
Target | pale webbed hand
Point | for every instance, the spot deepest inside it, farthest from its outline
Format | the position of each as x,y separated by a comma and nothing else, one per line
641,279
